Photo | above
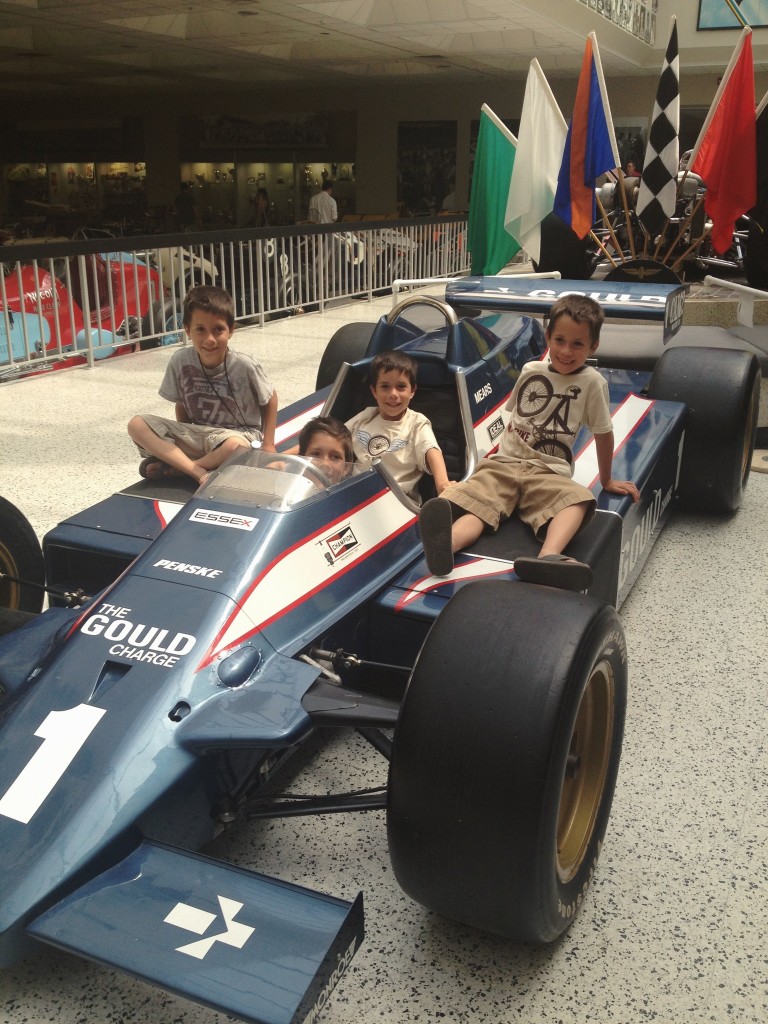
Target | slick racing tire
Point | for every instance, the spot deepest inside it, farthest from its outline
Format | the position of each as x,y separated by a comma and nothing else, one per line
505,758
166,322
721,389
20,557
191,280
348,345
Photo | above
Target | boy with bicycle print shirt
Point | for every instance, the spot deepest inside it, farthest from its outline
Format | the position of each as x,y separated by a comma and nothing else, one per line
531,473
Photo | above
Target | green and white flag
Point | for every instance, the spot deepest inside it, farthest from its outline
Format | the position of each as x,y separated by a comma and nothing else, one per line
490,245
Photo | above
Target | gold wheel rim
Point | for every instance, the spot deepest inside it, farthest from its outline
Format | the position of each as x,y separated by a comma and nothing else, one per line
586,770
746,456
10,593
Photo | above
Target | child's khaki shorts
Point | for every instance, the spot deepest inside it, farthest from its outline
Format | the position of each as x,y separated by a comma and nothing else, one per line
500,486
192,438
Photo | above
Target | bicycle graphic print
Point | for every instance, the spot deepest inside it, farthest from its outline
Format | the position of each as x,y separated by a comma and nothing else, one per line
535,396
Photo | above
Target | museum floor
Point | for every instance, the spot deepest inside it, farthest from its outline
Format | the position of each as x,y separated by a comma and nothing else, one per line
673,928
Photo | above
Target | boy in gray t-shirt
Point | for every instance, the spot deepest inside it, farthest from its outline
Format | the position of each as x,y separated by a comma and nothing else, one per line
223,399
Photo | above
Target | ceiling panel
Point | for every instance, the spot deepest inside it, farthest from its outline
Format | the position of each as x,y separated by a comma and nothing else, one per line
72,44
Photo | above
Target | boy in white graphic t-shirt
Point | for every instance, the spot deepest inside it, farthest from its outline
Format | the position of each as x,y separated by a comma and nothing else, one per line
531,471
390,430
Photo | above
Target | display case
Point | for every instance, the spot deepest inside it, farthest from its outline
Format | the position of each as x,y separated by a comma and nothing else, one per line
122,192
27,191
73,188
214,191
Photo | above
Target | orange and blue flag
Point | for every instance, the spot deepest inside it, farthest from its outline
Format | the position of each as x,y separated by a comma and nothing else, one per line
590,147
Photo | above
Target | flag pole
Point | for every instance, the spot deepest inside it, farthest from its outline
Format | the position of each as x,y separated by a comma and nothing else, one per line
747,31
627,219
609,228
694,245
606,102
548,90
499,123
682,230
603,249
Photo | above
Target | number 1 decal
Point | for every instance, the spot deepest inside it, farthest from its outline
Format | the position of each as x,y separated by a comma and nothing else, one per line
63,733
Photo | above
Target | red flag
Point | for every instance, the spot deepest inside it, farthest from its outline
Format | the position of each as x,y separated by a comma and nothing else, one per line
725,154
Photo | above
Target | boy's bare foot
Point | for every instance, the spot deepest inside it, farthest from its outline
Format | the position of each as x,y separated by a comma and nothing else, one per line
435,521
555,571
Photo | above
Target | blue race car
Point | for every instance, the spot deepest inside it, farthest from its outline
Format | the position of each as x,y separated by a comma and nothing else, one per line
196,640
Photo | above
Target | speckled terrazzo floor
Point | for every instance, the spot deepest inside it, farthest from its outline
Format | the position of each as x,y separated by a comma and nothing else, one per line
674,926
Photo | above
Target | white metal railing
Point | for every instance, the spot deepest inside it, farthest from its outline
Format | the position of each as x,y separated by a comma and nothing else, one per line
67,303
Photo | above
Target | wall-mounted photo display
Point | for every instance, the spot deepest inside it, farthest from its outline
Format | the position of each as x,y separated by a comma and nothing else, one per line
426,165
720,14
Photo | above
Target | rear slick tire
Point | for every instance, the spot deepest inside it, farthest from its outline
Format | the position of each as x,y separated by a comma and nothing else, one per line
505,758
348,345
721,388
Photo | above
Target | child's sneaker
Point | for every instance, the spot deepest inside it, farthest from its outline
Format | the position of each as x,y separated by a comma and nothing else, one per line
555,571
435,523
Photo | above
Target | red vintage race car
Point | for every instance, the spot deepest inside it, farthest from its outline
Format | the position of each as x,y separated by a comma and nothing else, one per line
54,311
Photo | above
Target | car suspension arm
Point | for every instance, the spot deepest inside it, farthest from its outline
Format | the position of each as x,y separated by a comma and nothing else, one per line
294,806
71,598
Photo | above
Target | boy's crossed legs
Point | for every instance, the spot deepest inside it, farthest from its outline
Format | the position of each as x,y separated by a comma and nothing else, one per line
178,448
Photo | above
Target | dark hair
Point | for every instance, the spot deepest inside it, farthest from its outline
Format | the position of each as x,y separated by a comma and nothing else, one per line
327,186
393,360
326,425
210,299
582,309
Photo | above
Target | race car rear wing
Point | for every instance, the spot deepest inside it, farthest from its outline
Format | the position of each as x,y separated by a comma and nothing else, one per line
263,950
620,300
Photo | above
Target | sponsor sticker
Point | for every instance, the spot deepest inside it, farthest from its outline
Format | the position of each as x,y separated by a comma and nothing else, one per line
193,919
339,544
673,314
344,961
483,392
495,428
215,518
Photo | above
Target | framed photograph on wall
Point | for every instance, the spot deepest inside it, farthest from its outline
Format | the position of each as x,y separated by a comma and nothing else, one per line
719,14
426,165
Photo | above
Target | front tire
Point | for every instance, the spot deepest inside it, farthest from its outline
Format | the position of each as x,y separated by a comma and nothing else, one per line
721,388
21,557
505,758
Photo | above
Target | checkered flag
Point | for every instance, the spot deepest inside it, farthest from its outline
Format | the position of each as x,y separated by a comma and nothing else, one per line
658,183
